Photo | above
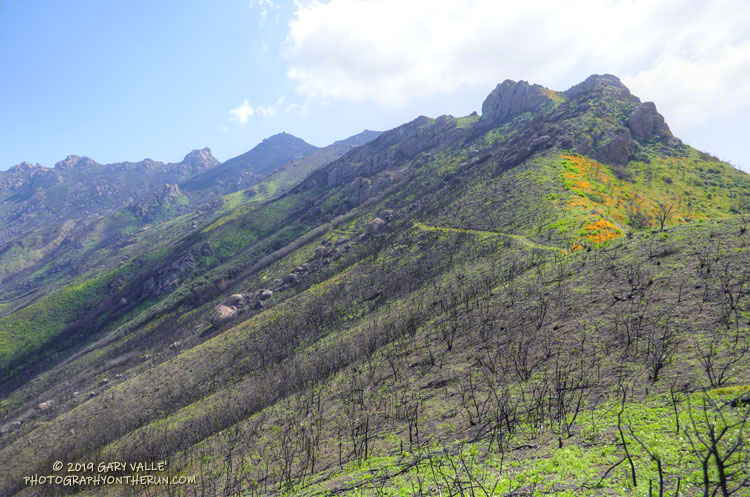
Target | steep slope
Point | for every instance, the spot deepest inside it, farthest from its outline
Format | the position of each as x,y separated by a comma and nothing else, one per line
460,305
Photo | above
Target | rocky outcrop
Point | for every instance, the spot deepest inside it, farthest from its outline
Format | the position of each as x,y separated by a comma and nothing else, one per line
618,149
45,178
22,167
169,277
511,98
74,161
598,85
322,251
235,300
646,123
376,226
222,314
355,191
40,178
200,159
155,204
443,131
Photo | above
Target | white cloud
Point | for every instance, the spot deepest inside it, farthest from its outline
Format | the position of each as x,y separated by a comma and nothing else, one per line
691,57
242,113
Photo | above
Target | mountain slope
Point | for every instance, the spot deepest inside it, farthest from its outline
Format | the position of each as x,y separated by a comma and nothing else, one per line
458,304
247,169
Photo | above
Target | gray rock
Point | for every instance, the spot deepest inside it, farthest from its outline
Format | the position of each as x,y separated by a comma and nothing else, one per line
266,294
645,123
322,251
617,149
291,279
235,300
598,84
222,314
357,189
46,405
376,226
511,98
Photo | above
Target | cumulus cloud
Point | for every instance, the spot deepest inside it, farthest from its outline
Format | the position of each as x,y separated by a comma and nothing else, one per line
243,112
392,51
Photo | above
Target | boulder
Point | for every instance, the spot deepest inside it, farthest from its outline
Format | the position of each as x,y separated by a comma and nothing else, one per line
222,314
235,300
376,226
322,251
266,294
46,405
291,279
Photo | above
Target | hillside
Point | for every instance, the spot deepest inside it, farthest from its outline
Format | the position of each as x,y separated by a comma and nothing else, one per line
247,169
549,298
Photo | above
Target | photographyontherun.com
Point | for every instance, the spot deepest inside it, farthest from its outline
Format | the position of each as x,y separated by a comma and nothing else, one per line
104,475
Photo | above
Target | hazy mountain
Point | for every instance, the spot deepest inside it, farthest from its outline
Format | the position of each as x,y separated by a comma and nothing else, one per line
247,169
31,196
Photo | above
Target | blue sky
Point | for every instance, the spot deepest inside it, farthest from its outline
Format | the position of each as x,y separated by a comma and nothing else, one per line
126,80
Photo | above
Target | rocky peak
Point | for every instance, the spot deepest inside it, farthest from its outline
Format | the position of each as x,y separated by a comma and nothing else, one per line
202,158
598,85
23,166
510,98
74,161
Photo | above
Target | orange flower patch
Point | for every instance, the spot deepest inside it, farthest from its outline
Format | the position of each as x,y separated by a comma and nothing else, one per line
601,231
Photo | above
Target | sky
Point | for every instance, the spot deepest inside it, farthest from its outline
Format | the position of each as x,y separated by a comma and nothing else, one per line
127,80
